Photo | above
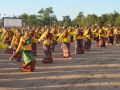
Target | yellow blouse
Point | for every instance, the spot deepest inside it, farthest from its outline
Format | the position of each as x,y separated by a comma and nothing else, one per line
78,37
21,45
3,34
86,35
15,40
43,38
54,36
62,39
101,34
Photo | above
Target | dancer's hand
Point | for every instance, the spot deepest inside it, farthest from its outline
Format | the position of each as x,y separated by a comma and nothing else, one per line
61,47
11,58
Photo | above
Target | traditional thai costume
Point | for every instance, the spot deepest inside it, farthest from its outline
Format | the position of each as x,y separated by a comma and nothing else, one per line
102,38
7,40
87,39
28,57
65,39
14,45
78,37
54,40
47,37
117,36
110,37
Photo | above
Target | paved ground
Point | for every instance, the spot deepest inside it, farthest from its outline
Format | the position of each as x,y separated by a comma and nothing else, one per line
97,69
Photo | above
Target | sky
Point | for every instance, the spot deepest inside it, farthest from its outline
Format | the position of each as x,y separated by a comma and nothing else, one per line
60,7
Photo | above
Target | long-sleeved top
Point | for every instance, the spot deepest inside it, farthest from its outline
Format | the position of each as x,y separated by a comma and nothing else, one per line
3,34
15,40
101,33
80,36
46,41
28,41
87,35
95,33
62,38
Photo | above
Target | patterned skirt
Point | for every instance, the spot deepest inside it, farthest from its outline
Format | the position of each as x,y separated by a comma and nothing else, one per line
66,50
47,54
29,61
71,39
96,38
79,46
18,57
117,39
29,67
102,42
28,56
53,45
34,49
111,40
87,44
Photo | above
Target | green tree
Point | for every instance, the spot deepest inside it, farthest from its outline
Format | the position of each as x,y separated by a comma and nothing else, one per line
24,17
78,19
32,20
112,18
46,16
66,21
117,21
90,20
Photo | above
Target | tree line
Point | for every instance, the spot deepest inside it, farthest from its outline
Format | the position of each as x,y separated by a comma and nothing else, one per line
47,17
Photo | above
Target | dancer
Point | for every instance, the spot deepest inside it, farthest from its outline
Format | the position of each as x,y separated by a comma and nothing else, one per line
25,47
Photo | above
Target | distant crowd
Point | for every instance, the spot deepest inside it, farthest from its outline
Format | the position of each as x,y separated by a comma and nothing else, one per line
23,42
